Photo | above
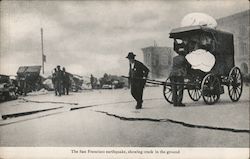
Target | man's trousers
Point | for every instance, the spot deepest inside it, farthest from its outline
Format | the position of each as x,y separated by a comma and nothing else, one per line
177,89
137,87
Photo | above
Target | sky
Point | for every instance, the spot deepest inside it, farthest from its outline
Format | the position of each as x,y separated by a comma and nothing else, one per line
93,36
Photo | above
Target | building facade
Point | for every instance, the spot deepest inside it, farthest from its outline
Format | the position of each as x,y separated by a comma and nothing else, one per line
158,60
238,24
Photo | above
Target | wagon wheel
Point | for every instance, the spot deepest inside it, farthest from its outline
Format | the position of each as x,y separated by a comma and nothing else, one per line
194,94
210,89
235,84
167,92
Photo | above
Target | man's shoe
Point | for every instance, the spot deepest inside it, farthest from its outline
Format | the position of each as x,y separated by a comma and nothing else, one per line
138,106
180,105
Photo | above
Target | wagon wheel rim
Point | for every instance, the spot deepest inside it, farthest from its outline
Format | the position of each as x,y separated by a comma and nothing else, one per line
194,94
167,92
210,89
235,84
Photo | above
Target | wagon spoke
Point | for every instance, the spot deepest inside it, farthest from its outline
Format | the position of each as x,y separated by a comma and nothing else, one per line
234,93
169,95
196,94
237,73
238,92
231,90
214,96
167,92
239,89
211,99
206,98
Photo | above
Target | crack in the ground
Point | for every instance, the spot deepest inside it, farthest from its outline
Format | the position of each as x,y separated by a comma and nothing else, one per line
95,105
120,117
15,115
176,122
82,107
21,114
52,102
26,100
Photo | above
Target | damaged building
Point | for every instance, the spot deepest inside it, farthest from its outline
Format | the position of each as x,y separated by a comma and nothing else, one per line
238,24
158,60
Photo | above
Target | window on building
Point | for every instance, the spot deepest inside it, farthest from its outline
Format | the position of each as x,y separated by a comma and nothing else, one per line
149,57
147,60
163,60
155,60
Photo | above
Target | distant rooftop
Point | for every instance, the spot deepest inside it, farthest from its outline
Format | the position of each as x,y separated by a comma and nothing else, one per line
29,69
233,16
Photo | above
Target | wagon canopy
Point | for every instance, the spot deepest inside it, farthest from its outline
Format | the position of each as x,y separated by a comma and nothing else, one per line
190,30
224,45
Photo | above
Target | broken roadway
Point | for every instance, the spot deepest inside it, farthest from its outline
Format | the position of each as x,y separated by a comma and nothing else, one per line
108,118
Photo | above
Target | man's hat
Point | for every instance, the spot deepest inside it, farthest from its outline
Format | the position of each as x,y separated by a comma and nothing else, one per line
58,66
131,55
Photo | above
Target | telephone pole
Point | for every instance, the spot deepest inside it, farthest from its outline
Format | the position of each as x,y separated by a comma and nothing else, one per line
42,50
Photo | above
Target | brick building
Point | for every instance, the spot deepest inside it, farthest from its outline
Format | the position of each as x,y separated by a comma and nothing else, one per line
158,60
238,24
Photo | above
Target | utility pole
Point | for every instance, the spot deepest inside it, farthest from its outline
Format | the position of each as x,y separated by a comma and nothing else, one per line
42,50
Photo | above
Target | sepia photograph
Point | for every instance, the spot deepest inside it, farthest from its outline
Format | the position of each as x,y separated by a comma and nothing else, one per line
126,79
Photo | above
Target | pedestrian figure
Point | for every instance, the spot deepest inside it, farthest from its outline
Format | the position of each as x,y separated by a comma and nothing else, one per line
59,80
54,80
177,76
179,69
66,82
92,81
138,73
22,85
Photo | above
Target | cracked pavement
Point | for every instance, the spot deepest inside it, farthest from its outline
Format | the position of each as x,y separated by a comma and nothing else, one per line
108,118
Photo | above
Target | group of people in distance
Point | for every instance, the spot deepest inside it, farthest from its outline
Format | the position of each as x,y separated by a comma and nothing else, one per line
61,81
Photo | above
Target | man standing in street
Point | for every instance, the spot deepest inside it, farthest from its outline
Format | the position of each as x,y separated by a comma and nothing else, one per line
66,82
54,80
138,73
92,80
179,70
22,85
59,80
